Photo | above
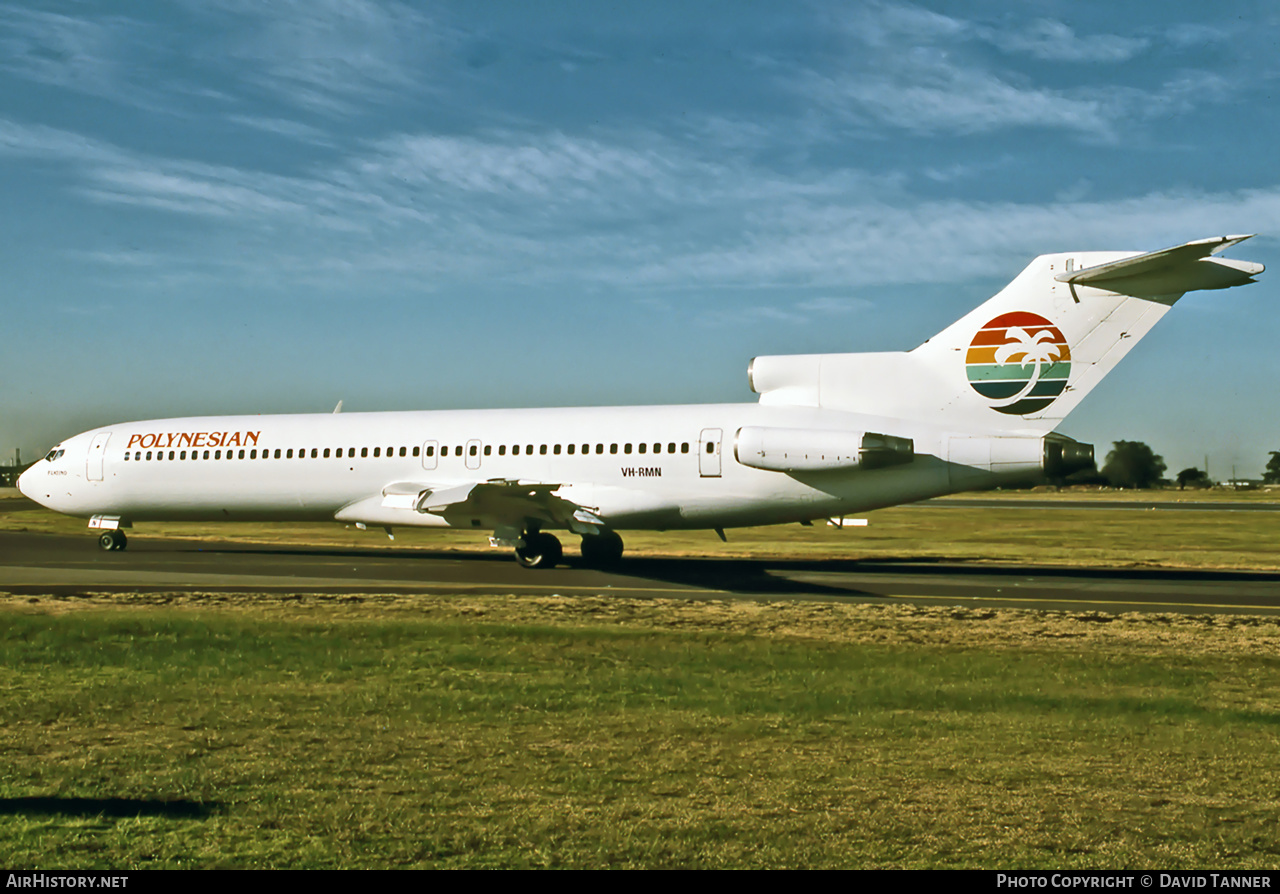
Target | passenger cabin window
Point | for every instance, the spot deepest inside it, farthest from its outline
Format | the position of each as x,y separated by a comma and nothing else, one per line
543,449
502,450
571,446
642,447
684,448
416,450
613,448
364,452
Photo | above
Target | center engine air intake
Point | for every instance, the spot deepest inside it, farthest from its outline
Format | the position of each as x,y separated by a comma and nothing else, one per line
817,450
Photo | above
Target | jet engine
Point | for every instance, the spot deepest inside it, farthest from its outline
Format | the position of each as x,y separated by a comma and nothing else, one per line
818,450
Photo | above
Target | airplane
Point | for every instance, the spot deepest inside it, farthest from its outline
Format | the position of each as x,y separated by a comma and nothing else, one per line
832,434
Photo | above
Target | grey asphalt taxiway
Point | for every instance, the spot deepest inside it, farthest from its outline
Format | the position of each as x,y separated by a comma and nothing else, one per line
66,565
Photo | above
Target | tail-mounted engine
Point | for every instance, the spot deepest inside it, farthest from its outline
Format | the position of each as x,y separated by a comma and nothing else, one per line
1062,456
817,450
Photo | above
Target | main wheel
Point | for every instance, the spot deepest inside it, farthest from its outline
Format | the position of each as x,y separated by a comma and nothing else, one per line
539,551
601,550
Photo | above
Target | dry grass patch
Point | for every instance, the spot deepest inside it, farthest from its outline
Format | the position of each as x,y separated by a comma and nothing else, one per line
428,730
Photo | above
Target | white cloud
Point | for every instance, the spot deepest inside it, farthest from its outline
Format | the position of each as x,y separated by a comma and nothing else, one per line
77,53
1055,41
915,70
627,212
929,94
327,56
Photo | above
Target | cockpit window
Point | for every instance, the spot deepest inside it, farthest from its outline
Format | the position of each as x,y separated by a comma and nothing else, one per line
54,454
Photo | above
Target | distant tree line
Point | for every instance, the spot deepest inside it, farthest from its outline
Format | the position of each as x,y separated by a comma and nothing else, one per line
1132,464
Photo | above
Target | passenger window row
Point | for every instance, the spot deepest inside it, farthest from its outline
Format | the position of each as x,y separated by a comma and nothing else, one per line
278,453
350,452
558,449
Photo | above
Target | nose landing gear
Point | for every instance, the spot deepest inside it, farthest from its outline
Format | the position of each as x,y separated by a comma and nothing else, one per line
112,540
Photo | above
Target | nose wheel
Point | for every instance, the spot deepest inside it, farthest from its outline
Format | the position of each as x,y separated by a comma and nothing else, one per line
111,541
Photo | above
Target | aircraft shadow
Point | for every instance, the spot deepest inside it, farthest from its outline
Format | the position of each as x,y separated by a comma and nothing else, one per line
783,575
177,808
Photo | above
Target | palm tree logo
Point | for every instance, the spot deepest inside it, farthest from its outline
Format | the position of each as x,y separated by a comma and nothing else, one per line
1019,362
1038,349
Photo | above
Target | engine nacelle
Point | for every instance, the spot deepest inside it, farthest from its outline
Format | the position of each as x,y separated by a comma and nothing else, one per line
818,450
973,457
1063,455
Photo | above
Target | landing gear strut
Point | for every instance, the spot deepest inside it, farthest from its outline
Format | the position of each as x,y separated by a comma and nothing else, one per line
540,550
601,550
112,540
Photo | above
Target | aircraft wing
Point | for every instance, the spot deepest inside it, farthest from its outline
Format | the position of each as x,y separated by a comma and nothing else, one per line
1182,268
493,503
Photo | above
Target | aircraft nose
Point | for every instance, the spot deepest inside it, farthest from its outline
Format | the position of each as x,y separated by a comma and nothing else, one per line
21,489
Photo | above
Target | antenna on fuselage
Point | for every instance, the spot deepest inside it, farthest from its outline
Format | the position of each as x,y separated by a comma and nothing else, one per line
338,408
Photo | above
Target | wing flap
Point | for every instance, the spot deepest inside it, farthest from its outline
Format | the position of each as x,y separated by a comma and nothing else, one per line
497,502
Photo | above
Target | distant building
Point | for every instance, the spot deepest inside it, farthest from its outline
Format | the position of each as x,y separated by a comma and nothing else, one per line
1243,483
9,473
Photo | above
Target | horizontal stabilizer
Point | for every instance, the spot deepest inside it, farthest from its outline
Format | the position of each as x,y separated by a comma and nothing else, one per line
1183,268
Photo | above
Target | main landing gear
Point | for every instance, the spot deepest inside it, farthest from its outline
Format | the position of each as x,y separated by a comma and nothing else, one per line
540,550
601,550
112,540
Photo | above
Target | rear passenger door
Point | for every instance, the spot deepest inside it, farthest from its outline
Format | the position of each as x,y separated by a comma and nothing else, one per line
709,452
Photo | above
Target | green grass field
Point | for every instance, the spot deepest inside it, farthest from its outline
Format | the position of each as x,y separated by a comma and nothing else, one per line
218,731
1072,535
224,730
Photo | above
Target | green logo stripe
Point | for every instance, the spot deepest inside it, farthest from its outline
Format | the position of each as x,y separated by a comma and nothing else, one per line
1009,372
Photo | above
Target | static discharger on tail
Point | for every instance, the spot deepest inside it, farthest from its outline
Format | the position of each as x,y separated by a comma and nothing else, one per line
832,434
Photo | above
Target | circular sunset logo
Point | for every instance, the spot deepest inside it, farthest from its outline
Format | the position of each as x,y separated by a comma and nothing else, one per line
1019,362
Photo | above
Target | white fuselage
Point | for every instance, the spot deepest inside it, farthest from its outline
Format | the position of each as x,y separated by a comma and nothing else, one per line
652,467
972,407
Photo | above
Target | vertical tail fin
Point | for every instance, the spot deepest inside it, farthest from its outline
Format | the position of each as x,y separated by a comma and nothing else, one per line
1033,352
1024,359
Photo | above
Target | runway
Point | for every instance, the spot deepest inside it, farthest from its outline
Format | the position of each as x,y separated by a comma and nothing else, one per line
49,564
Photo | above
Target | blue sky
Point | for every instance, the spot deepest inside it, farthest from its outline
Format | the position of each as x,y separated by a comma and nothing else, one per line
234,206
